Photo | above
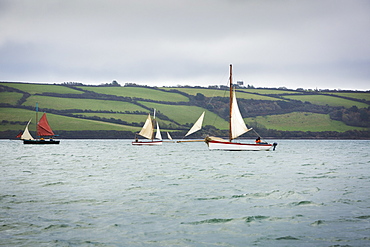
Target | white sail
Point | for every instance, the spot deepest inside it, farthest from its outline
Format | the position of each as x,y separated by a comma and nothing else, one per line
147,130
169,136
197,125
238,126
158,134
26,134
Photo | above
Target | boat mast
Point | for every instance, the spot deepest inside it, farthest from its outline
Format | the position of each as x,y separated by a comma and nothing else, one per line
37,115
153,124
231,100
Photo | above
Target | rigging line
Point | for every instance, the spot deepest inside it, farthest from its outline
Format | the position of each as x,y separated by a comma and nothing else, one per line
258,134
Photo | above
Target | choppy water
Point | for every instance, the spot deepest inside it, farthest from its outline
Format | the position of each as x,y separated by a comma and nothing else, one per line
109,193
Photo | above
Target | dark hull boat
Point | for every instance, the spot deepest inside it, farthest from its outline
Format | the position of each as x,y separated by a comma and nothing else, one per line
43,130
42,142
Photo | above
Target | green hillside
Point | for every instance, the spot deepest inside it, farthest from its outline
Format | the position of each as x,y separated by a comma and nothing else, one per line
187,115
41,88
81,104
129,118
10,97
269,91
301,121
221,93
138,92
57,122
119,112
359,96
327,100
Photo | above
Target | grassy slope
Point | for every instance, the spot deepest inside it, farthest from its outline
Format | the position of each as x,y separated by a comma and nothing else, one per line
360,96
38,88
179,113
301,121
242,94
83,104
130,118
268,91
139,92
57,122
188,114
326,100
10,97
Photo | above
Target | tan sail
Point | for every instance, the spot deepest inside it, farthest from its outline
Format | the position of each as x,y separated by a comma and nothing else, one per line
26,134
238,126
147,130
197,125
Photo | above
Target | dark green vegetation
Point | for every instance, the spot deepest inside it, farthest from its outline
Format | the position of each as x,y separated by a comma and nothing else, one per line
112,111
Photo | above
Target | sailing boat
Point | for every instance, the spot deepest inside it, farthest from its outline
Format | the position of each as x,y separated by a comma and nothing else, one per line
237,127
196,126
169,137
26,135
148,132
43,130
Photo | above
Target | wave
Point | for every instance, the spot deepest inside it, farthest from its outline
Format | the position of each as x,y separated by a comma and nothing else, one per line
52,184
209,221
303,203
363,217
249,219
51,227
287,238
211,198
255,195
318,222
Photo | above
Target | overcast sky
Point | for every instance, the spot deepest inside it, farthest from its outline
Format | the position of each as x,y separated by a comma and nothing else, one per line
273,43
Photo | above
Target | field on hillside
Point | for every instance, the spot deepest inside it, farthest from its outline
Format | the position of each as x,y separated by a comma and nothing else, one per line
241,94
82,104
10,97
326,100
188,114
180,117
268,91
57,122
129,118
139,92
360,96
41,88
301,121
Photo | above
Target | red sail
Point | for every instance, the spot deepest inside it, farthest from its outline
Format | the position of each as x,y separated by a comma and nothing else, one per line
43,127
19,135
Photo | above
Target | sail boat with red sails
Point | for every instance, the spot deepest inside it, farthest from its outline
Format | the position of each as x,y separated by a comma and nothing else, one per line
44,132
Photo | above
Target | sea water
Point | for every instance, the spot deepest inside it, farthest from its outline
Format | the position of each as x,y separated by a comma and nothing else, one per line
110,193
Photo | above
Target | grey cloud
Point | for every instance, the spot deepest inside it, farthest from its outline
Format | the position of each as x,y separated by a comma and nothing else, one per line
271,43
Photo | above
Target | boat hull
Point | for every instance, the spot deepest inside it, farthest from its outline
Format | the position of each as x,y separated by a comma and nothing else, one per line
149,143
234,146
40,142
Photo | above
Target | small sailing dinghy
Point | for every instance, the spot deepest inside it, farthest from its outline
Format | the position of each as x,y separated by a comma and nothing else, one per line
169,137
43,130
148,132
196,126
237,127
